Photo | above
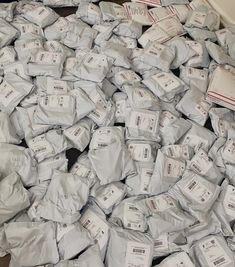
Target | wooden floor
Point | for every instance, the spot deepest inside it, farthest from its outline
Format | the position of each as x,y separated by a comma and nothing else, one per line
4,262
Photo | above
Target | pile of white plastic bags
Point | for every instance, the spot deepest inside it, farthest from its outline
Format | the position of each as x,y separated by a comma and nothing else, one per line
156,172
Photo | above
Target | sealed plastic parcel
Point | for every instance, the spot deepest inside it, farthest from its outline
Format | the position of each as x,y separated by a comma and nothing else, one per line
148,115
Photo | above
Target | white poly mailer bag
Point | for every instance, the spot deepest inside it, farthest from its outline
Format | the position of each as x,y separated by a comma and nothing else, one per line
195,194
198,137
7,130
228,150
142,151
158,55
94,220
128,28
222,119
7,33
72,240
121,103
18,159
127,215
89,13
112,11
201,164
140,97
129,248
39,14
142,123
200,35
12,90
212,250
7,11
46,63
172,128
110,166
183,152
83,168
7,56
167,172
19,68
29,127
195,106
193,77
55,110
203,18
91,257
31,243
177,259
56,46
65,197
14,197
80,133
183,52
47,145
142,183
164,214
108,196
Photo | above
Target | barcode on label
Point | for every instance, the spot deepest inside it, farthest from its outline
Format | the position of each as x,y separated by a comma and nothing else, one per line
158,243
219,261
133,208
136,250
153,204
58,88
138,120
146,153
76,133
192,185
89,60
196,167
40,149
170,150
169,168
41,12
86,223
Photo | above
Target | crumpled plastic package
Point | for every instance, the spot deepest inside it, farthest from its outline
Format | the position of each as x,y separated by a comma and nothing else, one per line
114,151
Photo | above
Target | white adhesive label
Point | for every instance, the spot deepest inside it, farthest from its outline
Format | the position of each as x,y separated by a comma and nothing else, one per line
61,24
173,168
198,19
196,74
109,196
197,47
82,171
140,152
160,203
41,13
40,146
8,94
137,255
201,163
57,101
154,50
63,229
203,107
127,77
121,108
141,94
97,228
197,191
145,178
102,138
160,13
214,253
229,151
29,28
143,121
161,243
229,201
56,86
178,151
74,133
119,11
36,44
195,141
166,119
5,57
133,218
48,58
167,81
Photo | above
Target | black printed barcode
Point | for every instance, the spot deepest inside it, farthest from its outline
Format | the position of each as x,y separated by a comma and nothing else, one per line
153,52
86,223
40,149
149,173
141,94
133,208
231,206
96,114
145,153
41,57
105,198
137,250
138,120
219,261
169,168
41,12
170,150
58,87
196,167
76,133
9,94
102,145
153,204
90,59
158,243
192,185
